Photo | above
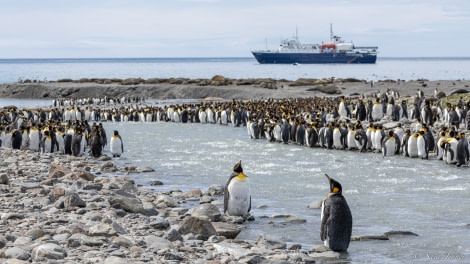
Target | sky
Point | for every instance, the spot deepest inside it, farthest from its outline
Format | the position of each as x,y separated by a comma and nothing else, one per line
227,28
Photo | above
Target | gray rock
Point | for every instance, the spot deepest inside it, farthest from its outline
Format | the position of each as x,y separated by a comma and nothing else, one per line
130,188
232,249
399,233
206,199
207,211
155,183
369,237
294,220
126,201
102,230
4,179
270,242
122,242
154,242
72,201
196,226
165,201
227,230
215,189
159,223
23,242
115,260
34,233
3,242
49,251
327,255
173,235
16,253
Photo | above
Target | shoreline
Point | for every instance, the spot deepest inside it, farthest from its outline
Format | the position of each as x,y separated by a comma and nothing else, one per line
224,88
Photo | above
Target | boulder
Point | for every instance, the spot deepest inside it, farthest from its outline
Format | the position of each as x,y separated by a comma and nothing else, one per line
207,211
126,201
72,201
57,171
196,226
227,230
48,251
270,242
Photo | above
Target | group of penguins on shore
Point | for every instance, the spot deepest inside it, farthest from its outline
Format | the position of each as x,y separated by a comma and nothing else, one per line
24,131
343,123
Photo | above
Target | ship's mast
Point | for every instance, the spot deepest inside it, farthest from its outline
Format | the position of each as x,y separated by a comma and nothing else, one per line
296,33
331,31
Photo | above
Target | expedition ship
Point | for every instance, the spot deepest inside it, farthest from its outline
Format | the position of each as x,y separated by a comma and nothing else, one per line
338,51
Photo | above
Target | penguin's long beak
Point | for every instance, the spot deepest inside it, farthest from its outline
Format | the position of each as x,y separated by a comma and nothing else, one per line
328,177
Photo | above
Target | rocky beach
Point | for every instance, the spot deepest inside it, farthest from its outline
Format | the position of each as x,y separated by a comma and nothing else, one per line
63,209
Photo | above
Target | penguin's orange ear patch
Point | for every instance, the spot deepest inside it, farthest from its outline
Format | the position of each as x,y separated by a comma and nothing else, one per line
335,190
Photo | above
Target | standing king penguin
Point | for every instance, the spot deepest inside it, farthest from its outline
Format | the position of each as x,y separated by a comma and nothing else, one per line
116,147
336,219
237,195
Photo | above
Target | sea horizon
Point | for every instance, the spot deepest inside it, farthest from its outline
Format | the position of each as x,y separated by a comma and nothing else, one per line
218,58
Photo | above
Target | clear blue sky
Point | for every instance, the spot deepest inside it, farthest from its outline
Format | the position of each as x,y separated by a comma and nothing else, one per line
226,28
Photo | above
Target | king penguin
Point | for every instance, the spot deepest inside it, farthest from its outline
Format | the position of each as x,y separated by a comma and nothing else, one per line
336,219
116,147
237,195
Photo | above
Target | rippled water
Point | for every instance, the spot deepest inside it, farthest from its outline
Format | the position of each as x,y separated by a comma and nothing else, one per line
426,197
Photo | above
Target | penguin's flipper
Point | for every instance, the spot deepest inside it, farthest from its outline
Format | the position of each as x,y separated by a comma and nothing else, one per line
324,221
249,207
226,196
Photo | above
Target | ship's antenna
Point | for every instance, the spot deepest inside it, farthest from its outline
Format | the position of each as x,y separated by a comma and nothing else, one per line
266,42
296,33
331,31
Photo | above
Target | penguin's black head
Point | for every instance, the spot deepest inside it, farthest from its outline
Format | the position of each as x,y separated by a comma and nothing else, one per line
238,167
335,187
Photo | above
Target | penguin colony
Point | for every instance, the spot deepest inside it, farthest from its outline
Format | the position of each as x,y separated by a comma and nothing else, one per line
54,131
333,123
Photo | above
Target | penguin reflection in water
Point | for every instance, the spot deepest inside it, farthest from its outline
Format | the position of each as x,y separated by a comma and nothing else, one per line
336,219
237,195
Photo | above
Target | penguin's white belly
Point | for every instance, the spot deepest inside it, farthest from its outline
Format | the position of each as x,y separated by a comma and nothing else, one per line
421,147
47,146
34,141
203,117
352,143
413,147
337,139
389,149
239,198
60,141
115,146
377,112
277,133
378,141
440,150
223,118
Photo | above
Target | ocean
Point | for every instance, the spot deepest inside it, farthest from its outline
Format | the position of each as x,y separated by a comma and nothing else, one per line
385,68
395,193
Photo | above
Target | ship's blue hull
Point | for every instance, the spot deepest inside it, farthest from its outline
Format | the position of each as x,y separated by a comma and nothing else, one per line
309,58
